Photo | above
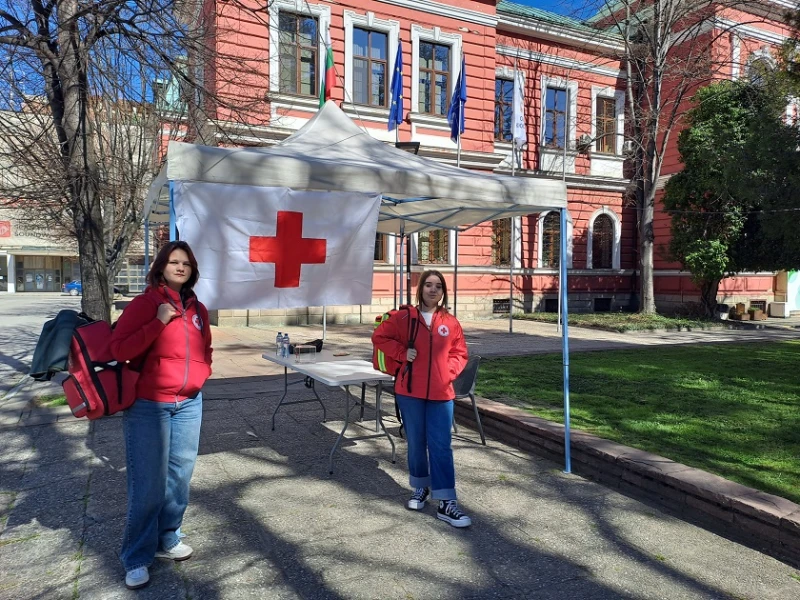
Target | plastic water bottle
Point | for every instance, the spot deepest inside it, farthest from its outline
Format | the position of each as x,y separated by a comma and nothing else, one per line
285,345
279,344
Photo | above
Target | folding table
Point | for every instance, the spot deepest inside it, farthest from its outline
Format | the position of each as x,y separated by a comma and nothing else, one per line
335,371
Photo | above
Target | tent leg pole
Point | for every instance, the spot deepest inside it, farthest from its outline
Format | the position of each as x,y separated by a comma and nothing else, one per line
408,272
562,263
455,278
402,241
511,283
146,245
173,229
394,271
324,322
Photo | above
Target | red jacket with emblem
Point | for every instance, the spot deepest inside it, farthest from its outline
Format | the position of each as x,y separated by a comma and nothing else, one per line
177,355
441,352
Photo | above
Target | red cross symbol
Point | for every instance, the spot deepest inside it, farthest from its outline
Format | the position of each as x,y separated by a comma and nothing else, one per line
289,250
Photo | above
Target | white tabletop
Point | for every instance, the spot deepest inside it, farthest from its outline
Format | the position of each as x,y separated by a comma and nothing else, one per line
332,370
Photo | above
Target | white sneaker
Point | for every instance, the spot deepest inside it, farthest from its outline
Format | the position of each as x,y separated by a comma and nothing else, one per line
180,551
418,498
137,578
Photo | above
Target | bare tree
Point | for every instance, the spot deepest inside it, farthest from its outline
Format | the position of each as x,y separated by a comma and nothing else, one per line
82,127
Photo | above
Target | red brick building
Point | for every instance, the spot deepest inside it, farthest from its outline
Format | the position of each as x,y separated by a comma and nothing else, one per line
574,85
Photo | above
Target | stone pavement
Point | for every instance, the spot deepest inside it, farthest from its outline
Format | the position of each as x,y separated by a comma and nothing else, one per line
268,521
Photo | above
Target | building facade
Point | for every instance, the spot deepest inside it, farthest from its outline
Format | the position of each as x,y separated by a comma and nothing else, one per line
574,98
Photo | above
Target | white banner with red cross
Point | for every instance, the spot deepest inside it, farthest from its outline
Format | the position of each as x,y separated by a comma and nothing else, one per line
260,247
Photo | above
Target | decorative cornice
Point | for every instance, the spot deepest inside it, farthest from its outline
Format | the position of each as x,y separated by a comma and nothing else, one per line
559,61
559,33
748,31
484,161
446,10
587,182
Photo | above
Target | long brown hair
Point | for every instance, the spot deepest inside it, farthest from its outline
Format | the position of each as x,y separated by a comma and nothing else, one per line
156,275
423,278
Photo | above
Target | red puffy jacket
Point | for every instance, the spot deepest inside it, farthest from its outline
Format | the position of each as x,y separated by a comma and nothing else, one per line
441,352
178,355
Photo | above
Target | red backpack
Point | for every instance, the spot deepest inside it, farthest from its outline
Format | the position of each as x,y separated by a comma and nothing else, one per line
97,384
386,364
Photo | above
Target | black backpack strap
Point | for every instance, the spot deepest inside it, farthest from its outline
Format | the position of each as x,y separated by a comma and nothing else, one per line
412,338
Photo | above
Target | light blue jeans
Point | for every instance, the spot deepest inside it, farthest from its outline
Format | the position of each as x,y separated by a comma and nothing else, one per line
161,440
430,456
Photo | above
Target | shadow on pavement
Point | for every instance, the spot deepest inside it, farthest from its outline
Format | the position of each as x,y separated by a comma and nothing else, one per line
267,520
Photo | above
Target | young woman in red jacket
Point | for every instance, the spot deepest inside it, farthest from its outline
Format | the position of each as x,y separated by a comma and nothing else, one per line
169,327
428,340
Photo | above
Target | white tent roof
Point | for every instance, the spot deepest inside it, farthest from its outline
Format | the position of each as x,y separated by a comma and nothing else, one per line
331,152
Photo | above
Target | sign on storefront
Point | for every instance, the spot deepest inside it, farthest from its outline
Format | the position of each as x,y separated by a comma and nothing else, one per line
5,229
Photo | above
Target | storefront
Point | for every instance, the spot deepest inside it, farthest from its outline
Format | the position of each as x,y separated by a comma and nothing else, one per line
36,273
30,262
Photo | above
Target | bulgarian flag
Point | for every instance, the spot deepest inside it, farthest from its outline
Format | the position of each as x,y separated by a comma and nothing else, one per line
326,85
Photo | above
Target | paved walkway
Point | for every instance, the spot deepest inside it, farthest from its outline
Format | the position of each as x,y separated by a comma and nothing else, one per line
268,521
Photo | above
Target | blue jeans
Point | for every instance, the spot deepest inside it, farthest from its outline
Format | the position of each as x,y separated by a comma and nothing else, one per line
161,440
430,456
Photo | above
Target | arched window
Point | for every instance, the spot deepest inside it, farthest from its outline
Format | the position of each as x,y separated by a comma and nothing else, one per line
602,242
551,240
760,65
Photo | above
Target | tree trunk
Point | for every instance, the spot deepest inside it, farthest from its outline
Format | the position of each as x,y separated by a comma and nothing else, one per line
79,163
646,242
708,297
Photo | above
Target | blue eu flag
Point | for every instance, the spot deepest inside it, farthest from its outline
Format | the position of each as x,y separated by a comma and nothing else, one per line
396,115
455,116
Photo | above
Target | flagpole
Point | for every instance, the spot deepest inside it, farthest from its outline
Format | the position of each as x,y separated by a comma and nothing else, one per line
458,164
394,270
402,240
564,231
513,229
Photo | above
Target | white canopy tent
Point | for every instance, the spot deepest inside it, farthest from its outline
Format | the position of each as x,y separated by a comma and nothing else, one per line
332,153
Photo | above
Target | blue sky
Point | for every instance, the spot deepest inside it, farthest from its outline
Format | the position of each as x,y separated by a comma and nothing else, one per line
562,7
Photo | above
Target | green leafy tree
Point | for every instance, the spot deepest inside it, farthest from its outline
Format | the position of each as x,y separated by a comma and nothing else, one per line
729,203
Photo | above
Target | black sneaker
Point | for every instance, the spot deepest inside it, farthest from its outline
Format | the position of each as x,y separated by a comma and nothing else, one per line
417,501
449,511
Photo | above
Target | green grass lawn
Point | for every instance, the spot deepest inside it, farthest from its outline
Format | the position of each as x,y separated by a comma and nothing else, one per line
622,321
52,400
731,409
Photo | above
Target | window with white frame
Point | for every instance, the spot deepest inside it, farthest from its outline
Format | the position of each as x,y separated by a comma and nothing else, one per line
370,66
501,242
433,247
605,125
503,109
555,117
370,49
549,240
603,244
296,47
608,121
434,78
436,59
558,109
